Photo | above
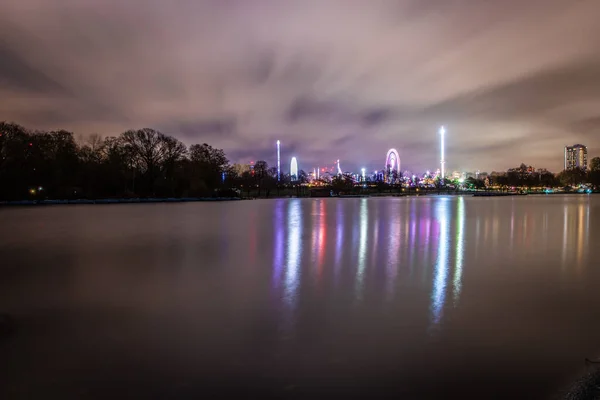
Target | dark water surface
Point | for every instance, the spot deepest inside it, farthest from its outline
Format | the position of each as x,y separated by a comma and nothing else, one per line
431,297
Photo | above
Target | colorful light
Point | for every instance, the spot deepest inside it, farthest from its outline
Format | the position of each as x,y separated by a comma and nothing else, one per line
392,161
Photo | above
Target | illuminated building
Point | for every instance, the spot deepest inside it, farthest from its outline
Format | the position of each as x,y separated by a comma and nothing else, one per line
576,156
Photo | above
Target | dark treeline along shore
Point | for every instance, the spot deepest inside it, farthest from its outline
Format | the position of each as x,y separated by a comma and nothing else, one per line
37,165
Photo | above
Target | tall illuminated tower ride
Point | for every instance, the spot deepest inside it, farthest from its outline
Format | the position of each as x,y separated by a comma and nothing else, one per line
294,169
442,151
278,161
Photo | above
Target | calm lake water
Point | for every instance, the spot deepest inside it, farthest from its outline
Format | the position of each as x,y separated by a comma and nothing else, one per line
429,297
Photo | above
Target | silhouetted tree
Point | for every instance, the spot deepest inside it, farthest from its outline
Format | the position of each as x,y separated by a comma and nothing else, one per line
594,172
152,154
261,170
208,165
572,177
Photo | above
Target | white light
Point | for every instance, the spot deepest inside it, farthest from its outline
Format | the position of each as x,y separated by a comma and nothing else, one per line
294,169
442,145
278,161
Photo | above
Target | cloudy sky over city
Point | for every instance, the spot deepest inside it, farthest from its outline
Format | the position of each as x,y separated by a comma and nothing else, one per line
514,81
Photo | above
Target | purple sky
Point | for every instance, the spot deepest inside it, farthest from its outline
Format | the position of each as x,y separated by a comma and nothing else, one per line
513,81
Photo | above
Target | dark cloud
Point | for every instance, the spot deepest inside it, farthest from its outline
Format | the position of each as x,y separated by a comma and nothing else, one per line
513,81
203,129
376,116
18,75
335,113
526,97
589,126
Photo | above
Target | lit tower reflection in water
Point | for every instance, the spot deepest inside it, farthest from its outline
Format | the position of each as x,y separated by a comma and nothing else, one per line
278,248
319,235
339,240
583,217
362,247
565,236
394,247
460,241
438,295
322,237
294,251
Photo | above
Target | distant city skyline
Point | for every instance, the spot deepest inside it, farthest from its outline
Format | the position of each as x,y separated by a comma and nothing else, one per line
367,76
574,156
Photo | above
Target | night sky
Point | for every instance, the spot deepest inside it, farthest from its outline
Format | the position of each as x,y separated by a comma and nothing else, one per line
513,80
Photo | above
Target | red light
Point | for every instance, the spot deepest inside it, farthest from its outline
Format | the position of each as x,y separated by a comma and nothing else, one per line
30,144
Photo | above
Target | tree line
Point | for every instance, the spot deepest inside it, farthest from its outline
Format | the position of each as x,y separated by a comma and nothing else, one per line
137,163
526,177
148,163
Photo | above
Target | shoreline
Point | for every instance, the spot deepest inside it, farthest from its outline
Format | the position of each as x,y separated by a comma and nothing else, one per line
116,201
137,200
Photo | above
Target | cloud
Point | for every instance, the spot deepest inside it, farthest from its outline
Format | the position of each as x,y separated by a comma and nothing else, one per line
17,74
224,127
330,78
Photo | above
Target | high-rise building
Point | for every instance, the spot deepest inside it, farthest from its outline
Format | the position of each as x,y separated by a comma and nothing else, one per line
576,157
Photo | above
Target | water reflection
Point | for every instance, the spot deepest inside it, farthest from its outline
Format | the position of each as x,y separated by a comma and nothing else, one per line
425,241
339,237
394,246
220,317
294,251
583,214
565,235
278,246
322,237
362,247
575,234
459,252
438,295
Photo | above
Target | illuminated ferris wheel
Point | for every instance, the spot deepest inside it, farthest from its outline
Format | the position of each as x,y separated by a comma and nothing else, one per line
392,161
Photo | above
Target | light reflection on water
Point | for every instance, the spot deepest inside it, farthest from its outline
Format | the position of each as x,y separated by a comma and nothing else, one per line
294,251
438,296
381,284
362,247
459,253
